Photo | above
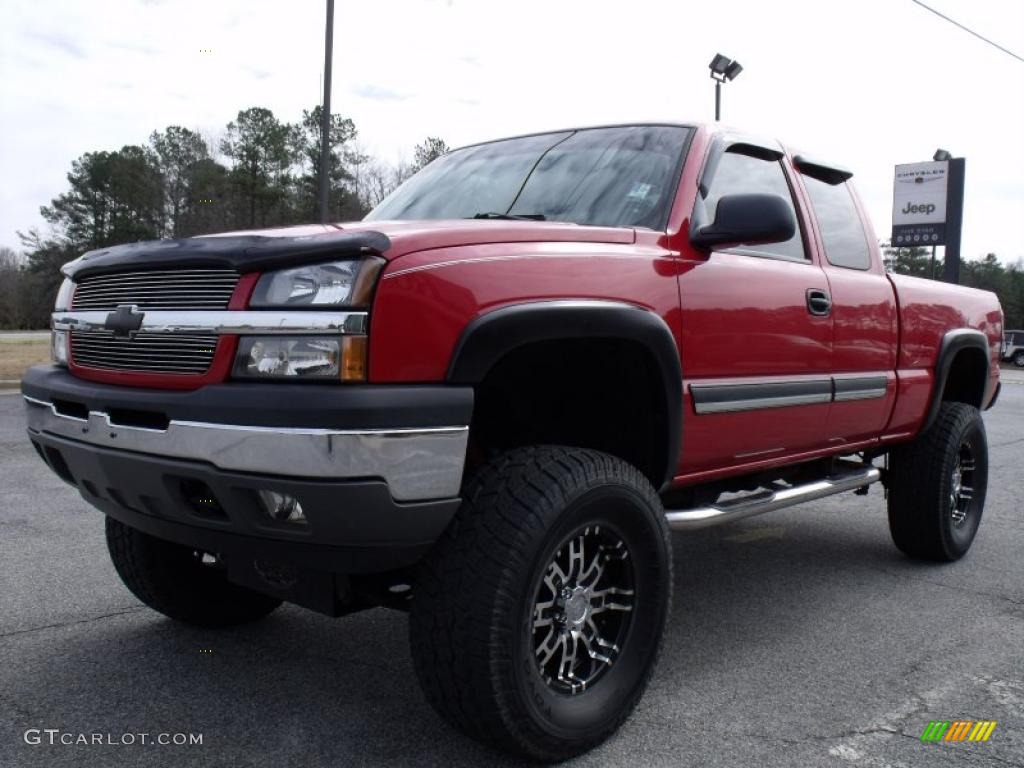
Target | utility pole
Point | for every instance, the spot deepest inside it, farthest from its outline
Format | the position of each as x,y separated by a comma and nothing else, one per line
325,116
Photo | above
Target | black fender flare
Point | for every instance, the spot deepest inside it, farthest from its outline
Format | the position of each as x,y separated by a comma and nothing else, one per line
952,343
492,335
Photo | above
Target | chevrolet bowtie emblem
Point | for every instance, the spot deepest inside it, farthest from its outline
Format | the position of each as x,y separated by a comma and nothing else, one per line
125,321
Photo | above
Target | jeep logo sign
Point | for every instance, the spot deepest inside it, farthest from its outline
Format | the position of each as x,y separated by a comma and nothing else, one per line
923,208
919,204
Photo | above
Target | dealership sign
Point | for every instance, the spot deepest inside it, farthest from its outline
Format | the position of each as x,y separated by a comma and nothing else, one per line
919,204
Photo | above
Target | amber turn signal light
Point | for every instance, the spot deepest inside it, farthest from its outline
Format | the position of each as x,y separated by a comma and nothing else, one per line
353,358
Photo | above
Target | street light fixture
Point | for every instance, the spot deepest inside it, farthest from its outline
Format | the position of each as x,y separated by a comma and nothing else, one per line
723,69
941,154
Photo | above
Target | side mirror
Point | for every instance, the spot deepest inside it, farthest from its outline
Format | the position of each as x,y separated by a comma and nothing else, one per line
746,220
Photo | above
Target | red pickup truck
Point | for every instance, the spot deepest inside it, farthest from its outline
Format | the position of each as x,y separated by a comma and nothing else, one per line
489,402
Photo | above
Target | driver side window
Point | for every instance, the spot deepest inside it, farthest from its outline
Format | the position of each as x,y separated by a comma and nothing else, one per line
738,174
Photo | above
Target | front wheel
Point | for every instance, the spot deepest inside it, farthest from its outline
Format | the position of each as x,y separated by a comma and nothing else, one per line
937,486
1018,359
178,582
536,620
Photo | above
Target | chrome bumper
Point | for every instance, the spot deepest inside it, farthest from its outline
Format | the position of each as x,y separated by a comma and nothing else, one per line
417,464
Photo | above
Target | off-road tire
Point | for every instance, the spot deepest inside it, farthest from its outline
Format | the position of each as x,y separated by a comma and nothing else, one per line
172,579
922,484
472,624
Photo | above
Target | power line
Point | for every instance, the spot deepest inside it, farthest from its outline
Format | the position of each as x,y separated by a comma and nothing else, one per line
969,31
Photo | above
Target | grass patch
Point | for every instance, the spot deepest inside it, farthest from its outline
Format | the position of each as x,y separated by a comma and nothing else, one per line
19,353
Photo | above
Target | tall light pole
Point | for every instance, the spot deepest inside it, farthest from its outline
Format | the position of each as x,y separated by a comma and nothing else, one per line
723,69
954,215
325,116
940,154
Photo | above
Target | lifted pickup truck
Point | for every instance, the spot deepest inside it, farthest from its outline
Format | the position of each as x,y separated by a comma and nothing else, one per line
490,401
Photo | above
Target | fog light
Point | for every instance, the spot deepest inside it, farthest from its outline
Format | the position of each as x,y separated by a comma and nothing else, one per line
199,496
59,347
282,507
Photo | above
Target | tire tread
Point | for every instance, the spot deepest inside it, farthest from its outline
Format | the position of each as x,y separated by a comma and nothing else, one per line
508,503
163,577
917,484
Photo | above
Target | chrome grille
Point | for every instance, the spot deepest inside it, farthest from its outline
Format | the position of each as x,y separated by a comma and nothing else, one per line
146,352
157,289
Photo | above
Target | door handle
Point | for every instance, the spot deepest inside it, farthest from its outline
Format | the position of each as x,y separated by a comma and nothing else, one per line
818,302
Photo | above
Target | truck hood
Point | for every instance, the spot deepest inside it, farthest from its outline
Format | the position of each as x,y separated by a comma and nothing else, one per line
261,249
409,236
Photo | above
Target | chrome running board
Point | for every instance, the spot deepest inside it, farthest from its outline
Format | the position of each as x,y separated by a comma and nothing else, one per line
770,499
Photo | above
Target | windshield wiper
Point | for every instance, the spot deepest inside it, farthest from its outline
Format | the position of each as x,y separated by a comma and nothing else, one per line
518,217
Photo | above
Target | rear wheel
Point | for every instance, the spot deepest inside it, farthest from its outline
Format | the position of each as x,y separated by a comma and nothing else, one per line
937,486
1018,359
536,620
180,582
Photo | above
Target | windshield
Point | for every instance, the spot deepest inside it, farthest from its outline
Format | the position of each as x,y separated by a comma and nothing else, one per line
613,177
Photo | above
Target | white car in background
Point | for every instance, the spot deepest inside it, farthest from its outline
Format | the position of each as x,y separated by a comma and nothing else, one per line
1013,347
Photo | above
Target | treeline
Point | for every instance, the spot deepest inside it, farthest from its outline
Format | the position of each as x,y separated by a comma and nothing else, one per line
263,172
259,172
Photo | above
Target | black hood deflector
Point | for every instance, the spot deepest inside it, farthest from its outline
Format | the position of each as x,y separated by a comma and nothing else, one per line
246,253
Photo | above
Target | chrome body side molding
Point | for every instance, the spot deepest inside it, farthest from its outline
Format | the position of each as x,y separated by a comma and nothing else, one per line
858,387
778,392
722,398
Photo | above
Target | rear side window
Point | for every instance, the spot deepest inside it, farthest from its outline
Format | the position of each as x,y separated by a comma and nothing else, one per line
742,174
840,225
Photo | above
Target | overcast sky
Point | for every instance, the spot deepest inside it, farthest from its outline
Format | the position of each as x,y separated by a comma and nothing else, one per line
865,83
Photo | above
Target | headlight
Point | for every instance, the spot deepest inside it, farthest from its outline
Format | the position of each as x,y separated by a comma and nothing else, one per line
59,339
337,283
59,347
313,357
67,288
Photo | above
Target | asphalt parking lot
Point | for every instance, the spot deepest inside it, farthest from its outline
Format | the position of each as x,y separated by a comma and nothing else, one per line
801,638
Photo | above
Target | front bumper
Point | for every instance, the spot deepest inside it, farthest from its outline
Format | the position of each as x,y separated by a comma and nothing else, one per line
376,468
416,463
